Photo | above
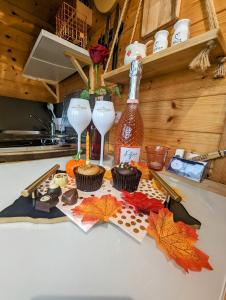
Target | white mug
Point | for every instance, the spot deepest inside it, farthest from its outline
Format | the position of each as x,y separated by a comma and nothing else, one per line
182,31
161,41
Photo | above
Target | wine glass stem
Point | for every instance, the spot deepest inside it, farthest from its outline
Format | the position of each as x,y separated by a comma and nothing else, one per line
102,150
79,142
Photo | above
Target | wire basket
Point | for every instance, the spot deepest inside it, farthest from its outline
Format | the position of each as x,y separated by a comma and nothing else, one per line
71,25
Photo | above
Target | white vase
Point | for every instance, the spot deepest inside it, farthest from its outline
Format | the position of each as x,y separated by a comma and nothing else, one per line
161,41
182,31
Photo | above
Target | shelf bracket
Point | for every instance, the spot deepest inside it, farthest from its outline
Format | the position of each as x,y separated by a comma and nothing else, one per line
78,67
75,60
56,93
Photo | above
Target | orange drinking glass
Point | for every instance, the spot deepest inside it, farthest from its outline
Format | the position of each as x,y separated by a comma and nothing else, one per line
156,157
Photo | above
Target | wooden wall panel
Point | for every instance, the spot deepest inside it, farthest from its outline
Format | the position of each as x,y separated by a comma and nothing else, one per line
195,9
71,84
42,9
182,85
192,114
25,91
19,29
18,18
15,38
13,57
184,110
219,170
193,141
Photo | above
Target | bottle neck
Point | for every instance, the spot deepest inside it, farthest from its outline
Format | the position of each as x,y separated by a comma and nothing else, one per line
135,76
134,90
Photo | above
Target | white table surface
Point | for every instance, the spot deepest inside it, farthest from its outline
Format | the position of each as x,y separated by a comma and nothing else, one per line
61,262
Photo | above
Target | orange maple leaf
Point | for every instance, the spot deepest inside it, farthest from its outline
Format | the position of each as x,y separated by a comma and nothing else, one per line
177,240
94,208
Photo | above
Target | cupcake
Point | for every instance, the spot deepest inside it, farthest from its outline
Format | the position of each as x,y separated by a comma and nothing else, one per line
89,177
126,177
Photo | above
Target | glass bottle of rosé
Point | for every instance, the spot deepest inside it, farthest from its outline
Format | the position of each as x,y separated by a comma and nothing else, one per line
130,129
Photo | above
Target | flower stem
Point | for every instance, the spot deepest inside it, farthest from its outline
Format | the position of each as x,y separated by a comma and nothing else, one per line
96,67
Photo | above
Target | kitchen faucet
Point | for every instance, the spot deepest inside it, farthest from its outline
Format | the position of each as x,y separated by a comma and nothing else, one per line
50,128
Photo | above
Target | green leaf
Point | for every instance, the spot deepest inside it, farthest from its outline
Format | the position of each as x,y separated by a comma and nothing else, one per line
85,95
101,91
116,91
78,155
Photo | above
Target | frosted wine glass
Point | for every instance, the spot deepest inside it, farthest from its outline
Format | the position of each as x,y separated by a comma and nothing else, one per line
79,116
103,118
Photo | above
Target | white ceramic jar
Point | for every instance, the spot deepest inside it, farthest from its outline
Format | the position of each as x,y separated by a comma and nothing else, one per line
182,31
161,41
134,51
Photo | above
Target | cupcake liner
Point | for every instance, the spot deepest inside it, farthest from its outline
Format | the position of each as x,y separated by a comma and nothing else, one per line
124,182
89,183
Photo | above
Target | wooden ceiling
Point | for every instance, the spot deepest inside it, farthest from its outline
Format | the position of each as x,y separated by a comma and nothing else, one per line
20,24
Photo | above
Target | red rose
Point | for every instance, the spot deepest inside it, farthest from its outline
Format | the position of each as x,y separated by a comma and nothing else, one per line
98,54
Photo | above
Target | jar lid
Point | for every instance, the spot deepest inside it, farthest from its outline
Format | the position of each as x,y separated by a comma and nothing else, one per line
137,43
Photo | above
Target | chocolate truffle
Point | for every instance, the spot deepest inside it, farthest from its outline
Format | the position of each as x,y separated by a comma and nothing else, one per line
54,189
70,197
46,202
61,179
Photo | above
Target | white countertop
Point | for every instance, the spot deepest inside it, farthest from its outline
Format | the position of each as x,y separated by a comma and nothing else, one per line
61,262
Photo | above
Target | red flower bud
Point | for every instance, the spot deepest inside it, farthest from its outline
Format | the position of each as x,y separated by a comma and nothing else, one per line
98,54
